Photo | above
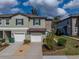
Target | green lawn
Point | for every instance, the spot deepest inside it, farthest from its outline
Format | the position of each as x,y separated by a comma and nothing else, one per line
71,48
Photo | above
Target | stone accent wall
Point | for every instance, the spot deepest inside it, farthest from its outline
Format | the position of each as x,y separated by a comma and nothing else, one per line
48,25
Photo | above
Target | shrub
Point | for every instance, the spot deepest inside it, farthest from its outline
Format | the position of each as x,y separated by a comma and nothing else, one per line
61,42
26,41
49,42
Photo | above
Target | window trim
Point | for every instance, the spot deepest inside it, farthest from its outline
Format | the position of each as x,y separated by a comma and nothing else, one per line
19,23
39,22
1,21
7,23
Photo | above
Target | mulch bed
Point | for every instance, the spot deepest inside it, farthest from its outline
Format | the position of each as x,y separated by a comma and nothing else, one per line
55,51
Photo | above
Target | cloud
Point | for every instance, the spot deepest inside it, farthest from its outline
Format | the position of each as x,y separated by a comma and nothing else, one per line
11,11
7,3
61,11
42,2
6,6
46,7
72,4
15,10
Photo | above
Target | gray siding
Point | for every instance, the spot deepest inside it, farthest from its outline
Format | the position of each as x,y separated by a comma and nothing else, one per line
27,23
62,24
13,21
42,24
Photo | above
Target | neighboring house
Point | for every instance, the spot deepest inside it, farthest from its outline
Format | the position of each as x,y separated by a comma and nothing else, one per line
19,26
69,26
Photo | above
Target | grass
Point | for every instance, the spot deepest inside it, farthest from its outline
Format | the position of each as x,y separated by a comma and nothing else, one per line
69,49
75,37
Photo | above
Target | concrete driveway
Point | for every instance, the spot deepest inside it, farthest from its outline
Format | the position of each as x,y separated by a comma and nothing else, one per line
9,51
34,52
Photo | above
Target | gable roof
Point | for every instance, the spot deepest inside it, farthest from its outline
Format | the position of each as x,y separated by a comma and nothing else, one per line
72,16
27,15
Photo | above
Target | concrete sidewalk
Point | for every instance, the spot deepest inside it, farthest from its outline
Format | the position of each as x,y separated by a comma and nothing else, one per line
61,57
11,49
55,57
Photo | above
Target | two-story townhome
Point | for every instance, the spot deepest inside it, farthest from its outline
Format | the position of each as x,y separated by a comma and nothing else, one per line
69,26
19,26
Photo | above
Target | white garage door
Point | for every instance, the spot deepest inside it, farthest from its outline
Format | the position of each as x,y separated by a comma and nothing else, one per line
19,37
36,38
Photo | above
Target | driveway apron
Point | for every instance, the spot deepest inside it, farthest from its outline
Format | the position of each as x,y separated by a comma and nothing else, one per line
34,52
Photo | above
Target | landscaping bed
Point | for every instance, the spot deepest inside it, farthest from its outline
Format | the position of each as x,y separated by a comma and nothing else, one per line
71,47
3,46
23,49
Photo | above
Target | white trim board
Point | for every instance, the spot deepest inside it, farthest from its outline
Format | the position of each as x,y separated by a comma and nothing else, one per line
21,28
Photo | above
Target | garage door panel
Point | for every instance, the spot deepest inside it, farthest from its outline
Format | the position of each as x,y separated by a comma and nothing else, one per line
19,37
36,38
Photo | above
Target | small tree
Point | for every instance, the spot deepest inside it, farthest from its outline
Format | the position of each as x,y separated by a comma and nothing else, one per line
54,23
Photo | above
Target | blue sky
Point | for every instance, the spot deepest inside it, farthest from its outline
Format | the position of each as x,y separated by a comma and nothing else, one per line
44,7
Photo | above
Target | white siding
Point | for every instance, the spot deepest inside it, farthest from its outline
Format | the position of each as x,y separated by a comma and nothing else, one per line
74,28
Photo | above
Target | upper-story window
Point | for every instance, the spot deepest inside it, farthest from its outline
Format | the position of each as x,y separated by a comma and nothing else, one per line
76,29
19,22
7,22
0,21
36,21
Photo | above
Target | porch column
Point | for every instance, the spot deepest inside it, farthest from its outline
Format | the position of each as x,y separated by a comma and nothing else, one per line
3,34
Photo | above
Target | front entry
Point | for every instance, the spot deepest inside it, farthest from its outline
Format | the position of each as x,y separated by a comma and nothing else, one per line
36,38
19,37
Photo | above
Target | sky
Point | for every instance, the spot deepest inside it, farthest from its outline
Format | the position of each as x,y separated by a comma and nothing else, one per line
48,8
